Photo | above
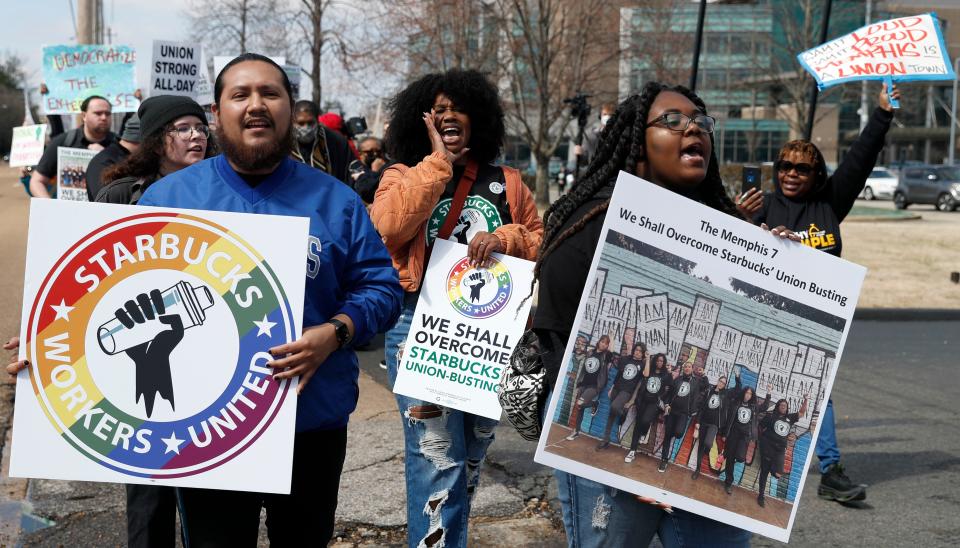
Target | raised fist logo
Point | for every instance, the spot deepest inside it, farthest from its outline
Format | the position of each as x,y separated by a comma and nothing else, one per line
475,282
148,328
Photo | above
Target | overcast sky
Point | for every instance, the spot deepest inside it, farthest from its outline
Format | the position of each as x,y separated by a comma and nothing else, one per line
135,23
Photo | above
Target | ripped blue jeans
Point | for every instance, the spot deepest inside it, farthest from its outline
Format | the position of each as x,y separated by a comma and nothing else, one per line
595,515
443,451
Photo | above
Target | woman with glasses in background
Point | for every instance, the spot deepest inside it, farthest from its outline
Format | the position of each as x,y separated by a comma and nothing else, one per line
812,204
174,135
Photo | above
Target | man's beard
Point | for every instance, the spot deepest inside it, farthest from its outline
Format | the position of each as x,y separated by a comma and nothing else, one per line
255,158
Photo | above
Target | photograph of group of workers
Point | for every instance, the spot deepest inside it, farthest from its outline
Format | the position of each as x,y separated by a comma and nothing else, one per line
705,390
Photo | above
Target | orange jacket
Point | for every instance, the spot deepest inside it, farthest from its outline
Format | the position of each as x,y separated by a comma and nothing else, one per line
406,198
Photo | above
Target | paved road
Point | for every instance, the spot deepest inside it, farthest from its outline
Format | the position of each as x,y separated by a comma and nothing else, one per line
898,424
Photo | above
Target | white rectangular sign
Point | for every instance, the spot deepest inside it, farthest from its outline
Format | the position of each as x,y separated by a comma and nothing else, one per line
27,146
467,322
175,69
72,173
718,275
148,330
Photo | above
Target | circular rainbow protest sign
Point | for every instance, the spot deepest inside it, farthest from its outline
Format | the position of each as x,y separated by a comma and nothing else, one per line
148,341
479,292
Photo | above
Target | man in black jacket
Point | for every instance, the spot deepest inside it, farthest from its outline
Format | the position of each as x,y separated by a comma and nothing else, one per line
319,147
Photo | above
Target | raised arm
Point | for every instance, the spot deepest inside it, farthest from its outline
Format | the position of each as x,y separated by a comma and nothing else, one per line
851,176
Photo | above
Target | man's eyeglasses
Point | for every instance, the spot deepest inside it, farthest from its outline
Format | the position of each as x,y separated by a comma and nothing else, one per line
678,121
803,170
186,132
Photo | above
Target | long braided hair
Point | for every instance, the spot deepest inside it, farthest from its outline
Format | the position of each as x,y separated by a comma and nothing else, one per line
620,147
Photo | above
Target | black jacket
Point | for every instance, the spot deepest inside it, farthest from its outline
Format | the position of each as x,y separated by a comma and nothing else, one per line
684,402
716,404
817,216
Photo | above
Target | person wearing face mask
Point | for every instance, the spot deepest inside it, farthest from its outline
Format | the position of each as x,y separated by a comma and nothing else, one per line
664,135
446,130
808,201
775,427
714,414
317,145
591,136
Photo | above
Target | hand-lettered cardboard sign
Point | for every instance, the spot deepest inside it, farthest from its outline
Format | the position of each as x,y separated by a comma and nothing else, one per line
73,73
898,50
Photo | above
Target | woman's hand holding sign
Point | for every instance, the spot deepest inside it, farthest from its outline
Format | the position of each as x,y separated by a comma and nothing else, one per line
481,246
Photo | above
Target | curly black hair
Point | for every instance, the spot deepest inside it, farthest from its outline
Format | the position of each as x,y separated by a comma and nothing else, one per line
620,147
406,139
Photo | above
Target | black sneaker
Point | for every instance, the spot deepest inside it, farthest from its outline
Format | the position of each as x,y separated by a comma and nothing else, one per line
835,485
603,445
663,466
728,488
760,500
695,474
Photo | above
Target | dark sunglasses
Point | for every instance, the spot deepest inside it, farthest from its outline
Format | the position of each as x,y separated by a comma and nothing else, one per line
803,170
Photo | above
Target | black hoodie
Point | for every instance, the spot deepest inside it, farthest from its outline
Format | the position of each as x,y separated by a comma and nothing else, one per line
817,215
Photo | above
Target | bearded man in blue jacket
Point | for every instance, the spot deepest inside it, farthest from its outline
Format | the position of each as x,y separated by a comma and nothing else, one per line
352,292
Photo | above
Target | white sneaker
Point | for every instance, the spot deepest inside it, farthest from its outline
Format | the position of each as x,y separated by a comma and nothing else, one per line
573,436
630,456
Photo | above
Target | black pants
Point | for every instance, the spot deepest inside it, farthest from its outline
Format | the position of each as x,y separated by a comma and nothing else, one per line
708,434
151,516
591,398
674,427
617,406
646,413
772,461
305,517
734,450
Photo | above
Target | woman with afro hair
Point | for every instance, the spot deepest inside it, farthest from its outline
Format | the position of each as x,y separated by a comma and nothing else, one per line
445,131
664,136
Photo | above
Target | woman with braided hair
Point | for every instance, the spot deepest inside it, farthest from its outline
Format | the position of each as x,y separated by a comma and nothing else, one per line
664,136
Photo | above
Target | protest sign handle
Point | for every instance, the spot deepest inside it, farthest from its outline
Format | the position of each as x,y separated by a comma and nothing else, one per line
895,103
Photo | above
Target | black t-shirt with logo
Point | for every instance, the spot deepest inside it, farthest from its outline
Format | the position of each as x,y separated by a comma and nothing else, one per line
630,374
712,408
683,394
776,428
593,367
742,417
47,166
484,210
654,386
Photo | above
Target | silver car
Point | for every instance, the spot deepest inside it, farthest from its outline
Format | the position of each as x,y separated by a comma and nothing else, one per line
881,183
936,185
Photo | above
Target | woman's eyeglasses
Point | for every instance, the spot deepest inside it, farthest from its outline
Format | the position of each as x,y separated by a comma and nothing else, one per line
678,121
803,169
186,132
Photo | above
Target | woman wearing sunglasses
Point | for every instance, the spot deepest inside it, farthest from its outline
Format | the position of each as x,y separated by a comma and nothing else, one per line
813,205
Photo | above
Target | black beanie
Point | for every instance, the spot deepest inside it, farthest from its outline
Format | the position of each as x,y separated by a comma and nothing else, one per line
160,110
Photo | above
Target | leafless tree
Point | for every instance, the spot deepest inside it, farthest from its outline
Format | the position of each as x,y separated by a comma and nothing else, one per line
237,26
549,55
787,82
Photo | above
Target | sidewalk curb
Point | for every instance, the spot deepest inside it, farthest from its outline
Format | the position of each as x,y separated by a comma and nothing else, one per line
907,314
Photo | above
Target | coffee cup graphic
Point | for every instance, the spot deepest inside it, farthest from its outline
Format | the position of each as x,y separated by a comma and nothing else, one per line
182,299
